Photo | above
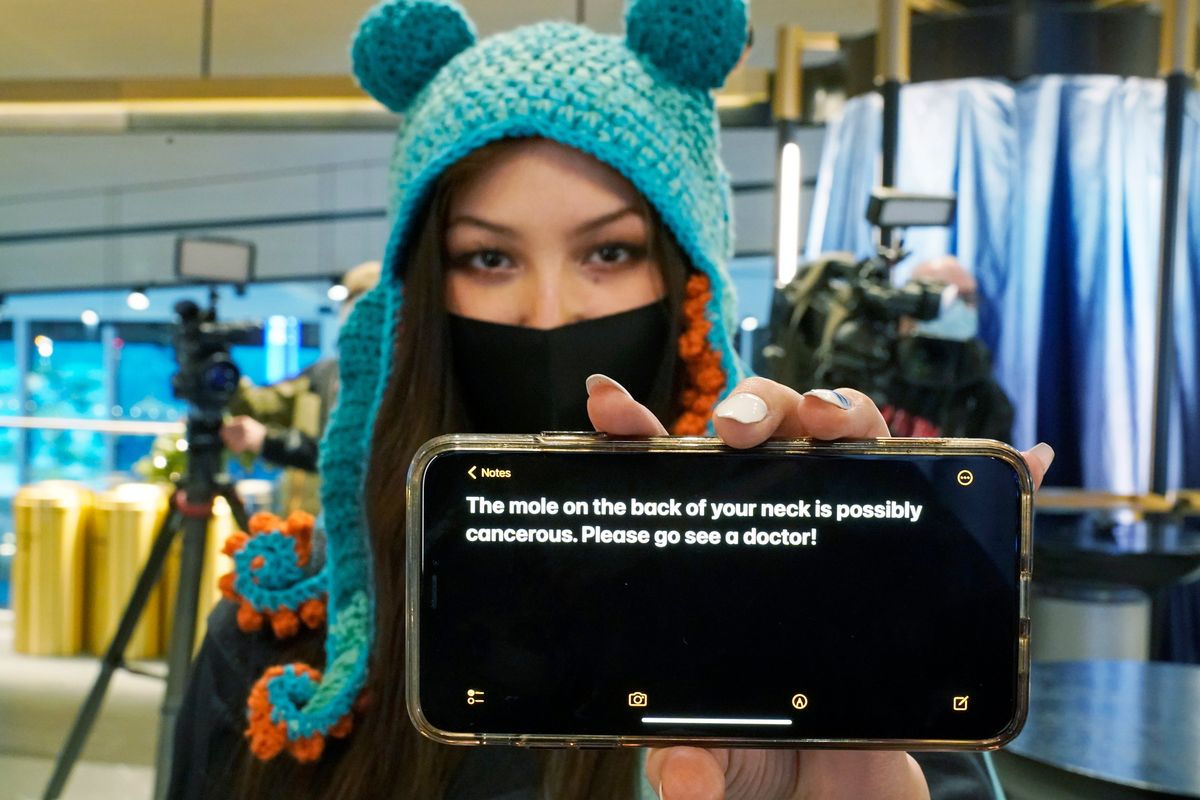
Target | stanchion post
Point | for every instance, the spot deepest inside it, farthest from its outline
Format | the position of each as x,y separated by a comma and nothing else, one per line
893,64
1177,65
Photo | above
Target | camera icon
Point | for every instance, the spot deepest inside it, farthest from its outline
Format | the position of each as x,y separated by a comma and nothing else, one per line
638,700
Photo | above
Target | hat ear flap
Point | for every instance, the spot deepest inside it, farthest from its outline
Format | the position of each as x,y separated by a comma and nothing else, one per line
401,45
695,42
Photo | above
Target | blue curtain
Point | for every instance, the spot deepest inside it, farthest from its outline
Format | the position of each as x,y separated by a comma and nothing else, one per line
1059,182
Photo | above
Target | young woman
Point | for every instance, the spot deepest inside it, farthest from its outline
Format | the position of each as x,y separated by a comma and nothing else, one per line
557,261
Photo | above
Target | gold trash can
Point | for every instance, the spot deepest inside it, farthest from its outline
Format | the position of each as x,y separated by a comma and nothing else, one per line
52,521
126,522
216,564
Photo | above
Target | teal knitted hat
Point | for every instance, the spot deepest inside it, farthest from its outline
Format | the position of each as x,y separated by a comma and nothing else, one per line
640,103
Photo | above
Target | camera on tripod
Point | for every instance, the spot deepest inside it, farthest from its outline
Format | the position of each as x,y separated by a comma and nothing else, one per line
207,379
208,376
837,322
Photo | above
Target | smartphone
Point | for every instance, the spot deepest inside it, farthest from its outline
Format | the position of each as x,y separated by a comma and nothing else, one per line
573,590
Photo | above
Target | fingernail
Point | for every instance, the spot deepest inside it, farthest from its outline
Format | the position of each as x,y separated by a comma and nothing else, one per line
598,381
829,396
743,407
1044,452
660,794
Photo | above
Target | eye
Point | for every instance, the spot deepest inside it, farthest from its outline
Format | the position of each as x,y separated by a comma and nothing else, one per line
484,260
616,253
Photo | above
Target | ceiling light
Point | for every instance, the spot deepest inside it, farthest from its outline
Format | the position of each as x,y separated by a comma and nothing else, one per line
787,245
137,299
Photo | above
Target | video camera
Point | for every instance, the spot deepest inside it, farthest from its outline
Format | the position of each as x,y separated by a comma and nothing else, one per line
837,322
207,376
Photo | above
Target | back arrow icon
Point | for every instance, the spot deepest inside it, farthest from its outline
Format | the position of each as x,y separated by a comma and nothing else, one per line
471,472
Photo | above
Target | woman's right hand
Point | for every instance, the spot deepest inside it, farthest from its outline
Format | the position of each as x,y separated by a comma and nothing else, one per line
760,409
757,410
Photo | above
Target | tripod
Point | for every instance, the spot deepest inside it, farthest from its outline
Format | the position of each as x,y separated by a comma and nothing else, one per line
190,510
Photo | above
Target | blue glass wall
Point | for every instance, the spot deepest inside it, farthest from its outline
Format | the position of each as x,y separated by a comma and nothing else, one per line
54,365
10,405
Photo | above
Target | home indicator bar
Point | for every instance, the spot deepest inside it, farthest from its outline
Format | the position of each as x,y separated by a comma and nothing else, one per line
712,721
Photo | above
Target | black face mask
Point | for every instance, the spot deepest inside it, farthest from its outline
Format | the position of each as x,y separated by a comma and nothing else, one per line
522,380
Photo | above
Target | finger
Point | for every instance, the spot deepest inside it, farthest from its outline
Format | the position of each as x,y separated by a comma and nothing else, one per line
861,773
759,409
613,410
826,415
1039,458
687,773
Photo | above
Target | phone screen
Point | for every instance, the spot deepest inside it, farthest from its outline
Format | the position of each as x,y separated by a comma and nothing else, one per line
735,595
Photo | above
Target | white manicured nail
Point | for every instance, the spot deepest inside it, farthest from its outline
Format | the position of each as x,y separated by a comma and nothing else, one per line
829,396
743,407
597,381
1044,452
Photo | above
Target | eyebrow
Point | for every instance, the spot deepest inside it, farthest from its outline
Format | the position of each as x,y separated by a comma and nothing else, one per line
591,225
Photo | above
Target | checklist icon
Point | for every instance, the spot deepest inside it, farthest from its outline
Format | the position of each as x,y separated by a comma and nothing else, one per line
960,702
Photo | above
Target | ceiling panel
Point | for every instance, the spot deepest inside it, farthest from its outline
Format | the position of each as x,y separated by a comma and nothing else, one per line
249,39
36,167
77,39
847,17
284,37
60,39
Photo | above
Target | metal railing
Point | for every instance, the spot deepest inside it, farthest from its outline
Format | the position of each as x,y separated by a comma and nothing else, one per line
118,427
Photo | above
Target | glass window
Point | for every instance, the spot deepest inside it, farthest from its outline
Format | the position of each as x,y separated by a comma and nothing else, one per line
66,378
121,369
9,445
144,361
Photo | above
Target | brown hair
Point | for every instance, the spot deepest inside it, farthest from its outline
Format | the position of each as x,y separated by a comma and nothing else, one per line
421,402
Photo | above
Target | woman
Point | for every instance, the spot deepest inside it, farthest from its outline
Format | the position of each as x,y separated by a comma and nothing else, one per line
561,220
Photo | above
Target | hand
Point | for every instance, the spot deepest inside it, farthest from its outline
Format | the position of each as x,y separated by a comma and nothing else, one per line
757,410
760,409
244,435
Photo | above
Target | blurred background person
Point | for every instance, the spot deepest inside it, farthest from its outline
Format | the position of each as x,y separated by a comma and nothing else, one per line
943,384
283,423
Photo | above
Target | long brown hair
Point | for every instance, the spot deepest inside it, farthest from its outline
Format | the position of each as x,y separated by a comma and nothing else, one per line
385,756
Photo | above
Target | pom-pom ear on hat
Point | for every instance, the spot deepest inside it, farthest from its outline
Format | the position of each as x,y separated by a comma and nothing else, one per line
696,43
401,45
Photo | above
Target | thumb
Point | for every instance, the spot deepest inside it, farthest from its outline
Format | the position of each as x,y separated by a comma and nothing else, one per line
687,773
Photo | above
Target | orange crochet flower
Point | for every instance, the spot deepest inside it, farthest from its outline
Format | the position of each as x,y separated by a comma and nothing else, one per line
271,579
705,378
269,738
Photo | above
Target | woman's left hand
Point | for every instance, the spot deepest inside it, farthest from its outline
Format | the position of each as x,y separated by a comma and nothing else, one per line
757,410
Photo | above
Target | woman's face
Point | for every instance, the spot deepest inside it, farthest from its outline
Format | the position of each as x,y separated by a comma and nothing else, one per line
545,236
